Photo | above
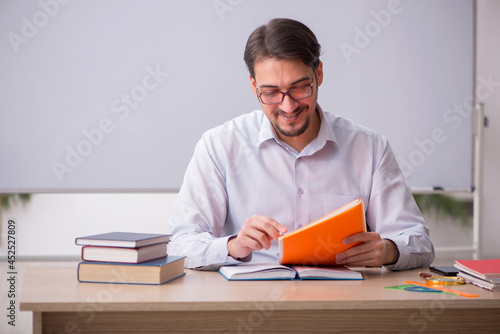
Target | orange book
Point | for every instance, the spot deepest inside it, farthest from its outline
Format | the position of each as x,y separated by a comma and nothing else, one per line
319,242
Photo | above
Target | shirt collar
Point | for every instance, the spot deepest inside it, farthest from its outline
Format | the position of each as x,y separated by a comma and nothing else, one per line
266,131
325,132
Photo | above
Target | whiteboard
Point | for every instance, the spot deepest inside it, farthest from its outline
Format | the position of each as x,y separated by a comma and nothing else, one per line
105,96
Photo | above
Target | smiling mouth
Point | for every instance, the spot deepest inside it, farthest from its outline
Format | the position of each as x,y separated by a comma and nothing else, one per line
291,116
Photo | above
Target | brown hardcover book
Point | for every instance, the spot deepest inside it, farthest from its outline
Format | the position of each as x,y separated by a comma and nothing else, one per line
159,271
319,242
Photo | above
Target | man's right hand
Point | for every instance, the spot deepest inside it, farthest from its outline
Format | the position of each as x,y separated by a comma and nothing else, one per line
256,233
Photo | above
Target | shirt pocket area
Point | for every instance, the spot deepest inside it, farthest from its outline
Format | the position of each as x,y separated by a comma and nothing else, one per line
333,202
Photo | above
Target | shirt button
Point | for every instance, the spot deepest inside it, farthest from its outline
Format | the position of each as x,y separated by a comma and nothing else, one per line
299,226
301,191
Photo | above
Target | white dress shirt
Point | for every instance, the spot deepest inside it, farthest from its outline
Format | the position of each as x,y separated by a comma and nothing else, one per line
241,168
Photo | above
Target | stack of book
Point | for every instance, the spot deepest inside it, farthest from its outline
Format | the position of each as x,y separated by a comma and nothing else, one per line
483,273
125,257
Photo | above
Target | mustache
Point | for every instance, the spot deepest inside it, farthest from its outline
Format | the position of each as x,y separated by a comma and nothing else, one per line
288,114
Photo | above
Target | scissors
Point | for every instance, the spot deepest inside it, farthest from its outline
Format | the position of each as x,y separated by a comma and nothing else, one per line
442,280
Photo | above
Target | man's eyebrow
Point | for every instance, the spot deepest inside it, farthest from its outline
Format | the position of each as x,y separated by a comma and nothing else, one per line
300,80
293,83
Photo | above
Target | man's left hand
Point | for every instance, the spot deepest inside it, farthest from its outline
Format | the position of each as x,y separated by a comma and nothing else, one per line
373,251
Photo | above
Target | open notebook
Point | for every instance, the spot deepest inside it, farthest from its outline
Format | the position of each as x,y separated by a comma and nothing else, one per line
276,271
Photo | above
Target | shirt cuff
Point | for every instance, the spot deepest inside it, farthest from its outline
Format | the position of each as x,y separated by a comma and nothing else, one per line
404,253
219,255
231,260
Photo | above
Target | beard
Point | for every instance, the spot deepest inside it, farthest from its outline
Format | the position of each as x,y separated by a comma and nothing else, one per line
295,130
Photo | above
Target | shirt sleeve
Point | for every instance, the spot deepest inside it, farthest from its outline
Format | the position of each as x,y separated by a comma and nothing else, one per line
393,213
197,219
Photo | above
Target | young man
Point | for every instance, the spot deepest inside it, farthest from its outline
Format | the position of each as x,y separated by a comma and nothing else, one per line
282,167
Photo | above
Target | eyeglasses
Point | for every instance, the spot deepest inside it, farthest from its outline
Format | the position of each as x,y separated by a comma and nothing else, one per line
297,93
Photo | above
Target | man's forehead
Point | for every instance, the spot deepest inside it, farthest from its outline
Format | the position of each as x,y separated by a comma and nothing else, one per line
281,72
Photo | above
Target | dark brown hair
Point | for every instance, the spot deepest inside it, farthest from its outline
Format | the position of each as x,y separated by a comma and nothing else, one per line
282,39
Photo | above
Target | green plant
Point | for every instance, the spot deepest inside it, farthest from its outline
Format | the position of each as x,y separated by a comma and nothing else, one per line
445,208
7,200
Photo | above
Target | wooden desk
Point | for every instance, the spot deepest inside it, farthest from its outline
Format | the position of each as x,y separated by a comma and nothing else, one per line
204,302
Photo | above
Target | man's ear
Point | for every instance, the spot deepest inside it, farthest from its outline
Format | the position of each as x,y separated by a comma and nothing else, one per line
319,73
253,83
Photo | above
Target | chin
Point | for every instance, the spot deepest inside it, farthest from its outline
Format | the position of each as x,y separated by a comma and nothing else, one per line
293,130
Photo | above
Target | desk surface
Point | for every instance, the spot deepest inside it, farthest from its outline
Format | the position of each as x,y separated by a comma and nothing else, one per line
56,289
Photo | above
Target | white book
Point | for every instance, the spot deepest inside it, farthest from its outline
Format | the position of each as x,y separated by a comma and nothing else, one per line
274,271
125,255
479,282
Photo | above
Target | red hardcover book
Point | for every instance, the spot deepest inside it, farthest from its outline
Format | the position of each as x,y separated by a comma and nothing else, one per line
485,269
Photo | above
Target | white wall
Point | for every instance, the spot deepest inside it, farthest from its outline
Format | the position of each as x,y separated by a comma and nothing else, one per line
38,223
39,231
488,65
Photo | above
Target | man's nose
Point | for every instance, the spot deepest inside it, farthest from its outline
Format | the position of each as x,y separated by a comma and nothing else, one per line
288,105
